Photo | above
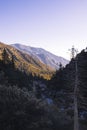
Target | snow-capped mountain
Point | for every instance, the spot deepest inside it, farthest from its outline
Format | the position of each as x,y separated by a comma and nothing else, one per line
44,56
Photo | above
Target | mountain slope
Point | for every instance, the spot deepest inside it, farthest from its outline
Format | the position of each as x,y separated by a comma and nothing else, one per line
63,88
43,55
26,62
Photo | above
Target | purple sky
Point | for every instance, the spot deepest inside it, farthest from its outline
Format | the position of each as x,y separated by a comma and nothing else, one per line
54,25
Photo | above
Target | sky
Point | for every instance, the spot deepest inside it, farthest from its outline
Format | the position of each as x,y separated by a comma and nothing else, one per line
54,25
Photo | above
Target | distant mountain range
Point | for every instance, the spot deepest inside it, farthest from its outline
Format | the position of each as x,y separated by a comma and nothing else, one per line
26,62
43,55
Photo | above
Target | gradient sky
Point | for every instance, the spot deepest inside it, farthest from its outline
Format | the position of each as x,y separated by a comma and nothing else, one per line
54,25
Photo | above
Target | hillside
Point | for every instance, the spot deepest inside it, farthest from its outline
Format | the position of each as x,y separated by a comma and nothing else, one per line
26,62
38,103
24,99
62,88
43,55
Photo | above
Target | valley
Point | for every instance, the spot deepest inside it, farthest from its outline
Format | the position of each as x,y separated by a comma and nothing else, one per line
34,94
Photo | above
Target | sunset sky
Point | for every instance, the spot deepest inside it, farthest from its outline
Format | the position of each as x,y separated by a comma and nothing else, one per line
54,25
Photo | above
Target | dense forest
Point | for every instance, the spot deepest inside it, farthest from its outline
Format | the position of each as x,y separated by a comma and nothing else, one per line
30,102
62,86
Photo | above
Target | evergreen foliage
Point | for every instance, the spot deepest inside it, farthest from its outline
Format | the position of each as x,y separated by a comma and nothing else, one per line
18,110
24,62
63,82
25,97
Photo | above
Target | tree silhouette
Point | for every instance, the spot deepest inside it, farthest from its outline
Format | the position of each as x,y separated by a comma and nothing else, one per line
13,61
5,56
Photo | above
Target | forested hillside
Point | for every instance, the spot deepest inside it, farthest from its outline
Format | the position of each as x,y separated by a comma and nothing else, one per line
21,105
24,99
25,62
62,87
30,102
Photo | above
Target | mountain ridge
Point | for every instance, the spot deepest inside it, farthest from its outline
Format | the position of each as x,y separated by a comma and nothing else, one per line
26,62
43,55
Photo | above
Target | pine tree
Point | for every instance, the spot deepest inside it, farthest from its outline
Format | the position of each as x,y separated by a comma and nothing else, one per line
13,61
5,56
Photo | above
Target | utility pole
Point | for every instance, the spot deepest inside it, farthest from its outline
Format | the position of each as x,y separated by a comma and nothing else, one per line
76,118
